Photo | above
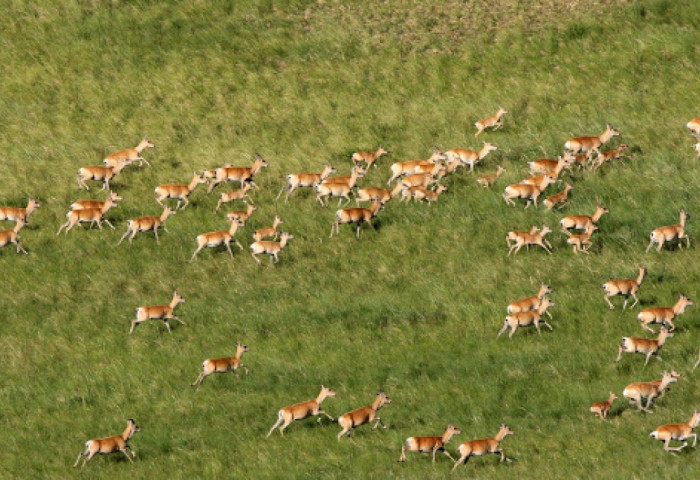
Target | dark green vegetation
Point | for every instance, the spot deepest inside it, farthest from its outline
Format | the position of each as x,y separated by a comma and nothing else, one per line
413,308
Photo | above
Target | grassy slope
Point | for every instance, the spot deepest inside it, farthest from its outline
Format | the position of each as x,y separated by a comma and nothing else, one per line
412,309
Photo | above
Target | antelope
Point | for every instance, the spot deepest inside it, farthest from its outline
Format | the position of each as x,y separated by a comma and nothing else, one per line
536,180
239,174
357,215
530,303
98,172
240,194
269,247
645,346
433,170
582,241
115,443
530,239
513,235
494,121
408,193
241,215
529,192
350,180
525,319
298,411
417,180
297,180
489,180
369,157
615,153
624,287
178,190
83,204
130,154
670,232
429,195
634,392
664,315
402,168
545,165
92,215
10,236
268,231
15,213
340,190
429,444
158,312
379,194
677,431
561,198
222,365
694,127
478,448
582,222
590,144
452,166
602,408
144,224
216,239
470,157
363,415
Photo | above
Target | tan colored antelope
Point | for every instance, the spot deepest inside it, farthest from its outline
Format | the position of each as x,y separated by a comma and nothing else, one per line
560,199
545,165
537,179
178,190
694,127
13,214
268,231
429,196
530,303
513,235
356,215
529,192
602,408
216,239
590,144
664,315
130,154
670,232
399,169
368,157
634,392
383,195
603,157
306,180
158,312
677,431
525,319
240,194
417,180
582,222
271,248
241,215
237,174
478,448
83,204
92,215
340,190
363,415
299,411
530,239
115,443
624,287
434,170
494,121
407,193
356,173
430,444
144,224
100,173
582,241
222,365
470,157
11,236
645,346
452,167
487,181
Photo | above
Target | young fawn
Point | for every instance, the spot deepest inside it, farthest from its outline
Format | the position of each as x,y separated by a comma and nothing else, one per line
368,157
240,194
624,287
115,443
478,448
582,241
429,444
222,365
558,199
11,236
299,411
487,181
363,415
602,408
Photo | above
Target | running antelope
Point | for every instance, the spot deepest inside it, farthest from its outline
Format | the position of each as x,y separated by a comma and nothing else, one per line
417,180
15,213
602,408
407,193
92,215
582,241
433,170
545,165
368,157
530,239
582,222
308,180
115,443
615,153
470,157
222,365
537,179
271,248
634,392
489,180
677,431
402,168
528,192
624,287
357,215
325,190
429,196
82,204
100,173
494,121
525,319
298,411
664,315
645,346
383,195
478,448
178,190
238,174
429,444
144,224
513,235
10,236
356,173
268,231
216,239
530,303
240,194
694,127
158,312
241,215
560,199
130,154
363,415
590,144
670,232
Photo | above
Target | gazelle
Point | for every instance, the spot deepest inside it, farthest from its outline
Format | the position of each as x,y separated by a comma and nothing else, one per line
582,241
356,173
429,444
478,448
429,196
602,408
357,215
624,287
470,157
417,180
92,215
298,411
383,195
560,199
115,443
238,174
634,392
664,315
368,157
615,153
216,239
271,248
530,239
10,236
144,224
408,193
525,319
677,431
487,181
528,192
530,303
494,121
241,215
307,180
130,154
340,190
555,172
363,415
98,172
13,214
158,312
694,127
82,204
222,365
268,231
670,232
433,170
402,168
582,222
178,190
240,194
512,236
545,165
590,144
645,346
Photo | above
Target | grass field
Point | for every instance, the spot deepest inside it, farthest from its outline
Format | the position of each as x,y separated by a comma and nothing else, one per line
412,308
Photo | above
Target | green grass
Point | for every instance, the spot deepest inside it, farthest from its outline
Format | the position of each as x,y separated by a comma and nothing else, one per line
412,308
